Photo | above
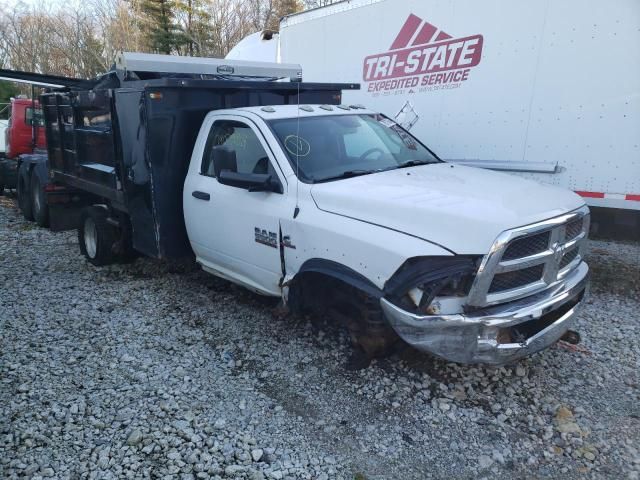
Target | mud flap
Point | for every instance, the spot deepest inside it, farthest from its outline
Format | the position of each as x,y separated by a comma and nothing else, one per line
64,217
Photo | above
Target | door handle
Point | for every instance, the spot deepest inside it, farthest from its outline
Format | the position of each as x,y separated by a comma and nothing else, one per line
201,195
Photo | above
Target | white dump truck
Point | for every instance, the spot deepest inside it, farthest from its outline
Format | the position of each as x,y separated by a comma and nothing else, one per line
283,188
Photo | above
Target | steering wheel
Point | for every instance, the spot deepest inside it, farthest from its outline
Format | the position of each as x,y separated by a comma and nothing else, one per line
369,152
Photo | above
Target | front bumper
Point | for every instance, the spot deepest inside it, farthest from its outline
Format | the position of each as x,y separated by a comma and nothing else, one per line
499,334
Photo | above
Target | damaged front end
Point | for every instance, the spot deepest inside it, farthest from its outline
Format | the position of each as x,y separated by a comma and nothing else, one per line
517,300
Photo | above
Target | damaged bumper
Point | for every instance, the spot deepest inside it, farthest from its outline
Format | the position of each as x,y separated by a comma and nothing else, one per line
499,334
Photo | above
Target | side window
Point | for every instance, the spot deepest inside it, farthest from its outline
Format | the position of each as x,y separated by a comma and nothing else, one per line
234,146
31,119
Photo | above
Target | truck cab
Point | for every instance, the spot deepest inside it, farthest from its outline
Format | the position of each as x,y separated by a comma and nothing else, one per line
24,135
25,131
340,206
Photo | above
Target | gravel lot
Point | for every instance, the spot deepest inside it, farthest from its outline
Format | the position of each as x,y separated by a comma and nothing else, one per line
151,370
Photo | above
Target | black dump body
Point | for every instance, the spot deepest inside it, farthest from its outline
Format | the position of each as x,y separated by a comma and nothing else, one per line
130,147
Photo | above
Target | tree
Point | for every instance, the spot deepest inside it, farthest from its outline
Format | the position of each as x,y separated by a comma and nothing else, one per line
80,38
279,9
194,21
161,31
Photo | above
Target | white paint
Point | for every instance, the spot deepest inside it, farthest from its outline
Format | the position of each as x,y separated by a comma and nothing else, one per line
255,47
371,224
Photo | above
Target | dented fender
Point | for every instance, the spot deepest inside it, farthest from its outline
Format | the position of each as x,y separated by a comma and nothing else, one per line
359,253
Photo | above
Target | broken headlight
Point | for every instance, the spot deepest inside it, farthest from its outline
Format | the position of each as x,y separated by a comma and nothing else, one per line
433,285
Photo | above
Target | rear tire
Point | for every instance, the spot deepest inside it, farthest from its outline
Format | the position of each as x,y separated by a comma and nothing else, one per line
39,207
96,236
24,199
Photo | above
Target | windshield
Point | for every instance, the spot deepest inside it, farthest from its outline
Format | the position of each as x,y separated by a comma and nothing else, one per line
339,146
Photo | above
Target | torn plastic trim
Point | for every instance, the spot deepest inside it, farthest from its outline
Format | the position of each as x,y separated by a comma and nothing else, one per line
340,272
420,270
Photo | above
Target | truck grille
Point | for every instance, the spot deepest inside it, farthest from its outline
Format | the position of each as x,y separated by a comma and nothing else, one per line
568,257
573,229
526,260
516,278
524,247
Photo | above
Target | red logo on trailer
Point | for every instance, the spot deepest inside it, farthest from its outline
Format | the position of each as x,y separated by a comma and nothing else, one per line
422,57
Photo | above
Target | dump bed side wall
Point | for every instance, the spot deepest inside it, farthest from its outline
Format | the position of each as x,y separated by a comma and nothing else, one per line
80,141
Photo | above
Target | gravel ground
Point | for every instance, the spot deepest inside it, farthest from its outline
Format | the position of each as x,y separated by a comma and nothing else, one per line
151,370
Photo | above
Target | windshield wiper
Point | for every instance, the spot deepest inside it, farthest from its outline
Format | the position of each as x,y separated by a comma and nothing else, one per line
347,174
413,163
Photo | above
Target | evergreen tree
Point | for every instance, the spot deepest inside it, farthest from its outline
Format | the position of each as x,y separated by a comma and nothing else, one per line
161,32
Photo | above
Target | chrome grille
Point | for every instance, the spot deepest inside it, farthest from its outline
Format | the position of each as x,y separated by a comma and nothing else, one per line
523,247
573,229
526,260
568,257
516,278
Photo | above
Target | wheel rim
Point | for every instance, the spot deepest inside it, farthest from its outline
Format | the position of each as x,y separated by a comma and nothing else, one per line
90,237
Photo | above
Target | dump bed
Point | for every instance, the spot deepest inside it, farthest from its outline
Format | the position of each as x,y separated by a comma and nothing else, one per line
131,146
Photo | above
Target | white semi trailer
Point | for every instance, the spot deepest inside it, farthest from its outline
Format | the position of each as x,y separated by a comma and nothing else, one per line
547,90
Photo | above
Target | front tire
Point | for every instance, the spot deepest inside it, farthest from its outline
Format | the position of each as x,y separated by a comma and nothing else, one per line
39,207
96,236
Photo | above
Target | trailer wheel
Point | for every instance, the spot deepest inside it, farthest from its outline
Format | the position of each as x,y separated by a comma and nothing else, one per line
39,206
96,237
24,199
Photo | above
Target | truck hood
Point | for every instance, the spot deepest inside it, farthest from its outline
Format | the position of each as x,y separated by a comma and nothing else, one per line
460,208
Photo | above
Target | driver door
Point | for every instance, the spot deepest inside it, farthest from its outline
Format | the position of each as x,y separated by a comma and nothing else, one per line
235,232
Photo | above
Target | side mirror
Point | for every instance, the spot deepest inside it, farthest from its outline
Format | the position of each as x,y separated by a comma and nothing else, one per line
254,182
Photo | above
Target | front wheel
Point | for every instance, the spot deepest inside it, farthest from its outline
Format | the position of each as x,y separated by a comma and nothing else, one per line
39,206
96,236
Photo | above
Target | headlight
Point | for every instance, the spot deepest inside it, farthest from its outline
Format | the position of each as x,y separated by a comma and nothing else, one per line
432,285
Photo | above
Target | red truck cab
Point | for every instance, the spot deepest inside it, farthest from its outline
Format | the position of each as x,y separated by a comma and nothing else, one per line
24,135
24,121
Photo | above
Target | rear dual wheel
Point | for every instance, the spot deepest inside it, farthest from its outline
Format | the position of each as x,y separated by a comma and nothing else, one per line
101,242
96,236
